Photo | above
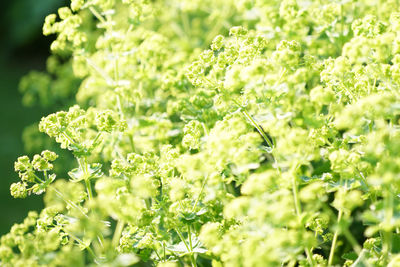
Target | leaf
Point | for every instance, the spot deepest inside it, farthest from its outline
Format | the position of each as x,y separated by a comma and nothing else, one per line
95,170
180,247
197,245
200,250
187,217
76,175
190,217
267,149
201,211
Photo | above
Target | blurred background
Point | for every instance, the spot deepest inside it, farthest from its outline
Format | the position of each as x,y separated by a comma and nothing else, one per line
22,48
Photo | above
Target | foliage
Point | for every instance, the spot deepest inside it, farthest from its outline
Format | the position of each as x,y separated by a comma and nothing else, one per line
223,133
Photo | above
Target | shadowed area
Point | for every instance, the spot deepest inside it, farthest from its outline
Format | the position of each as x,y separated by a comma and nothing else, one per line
22,48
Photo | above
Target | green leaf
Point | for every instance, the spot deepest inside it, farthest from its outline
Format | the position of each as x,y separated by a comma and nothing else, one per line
76,175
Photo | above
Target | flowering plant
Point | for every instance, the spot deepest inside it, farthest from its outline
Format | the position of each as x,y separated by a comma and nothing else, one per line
215,133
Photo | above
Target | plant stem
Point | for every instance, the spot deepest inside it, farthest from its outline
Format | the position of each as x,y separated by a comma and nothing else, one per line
116,79
97,14
194,264
190,238
84,166
205,129
101,72
259,129
131,142
72,204
183,239
118,232
89,189
96,138
188,247
295,196
263,134
201,192
88,248
119,104
341,28
298,213
335,236
165,256
68,138
352,241
38,178
158,256
387,233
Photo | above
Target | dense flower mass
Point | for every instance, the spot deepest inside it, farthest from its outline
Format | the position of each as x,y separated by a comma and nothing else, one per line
214,133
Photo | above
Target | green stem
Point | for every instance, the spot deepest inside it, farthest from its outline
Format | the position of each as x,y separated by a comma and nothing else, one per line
360,259
201,192
259,129
119,104
100,238
295,196
84,166
68,138
101,72
116,73
352,240
341,40
118,232
190,238
387,233
116,78
263,134
96,138
183,239
70,202
88,248
97,15
131,142
204,128
165,255
38,178
298,213
89,189
158,255
194,264
335,236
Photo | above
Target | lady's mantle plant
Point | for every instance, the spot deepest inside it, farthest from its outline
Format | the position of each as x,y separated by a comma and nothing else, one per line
223,133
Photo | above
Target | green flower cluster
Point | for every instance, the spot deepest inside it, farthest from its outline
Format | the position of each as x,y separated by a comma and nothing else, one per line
27,169
216,133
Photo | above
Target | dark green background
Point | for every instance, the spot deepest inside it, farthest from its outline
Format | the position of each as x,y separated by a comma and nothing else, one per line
22,48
